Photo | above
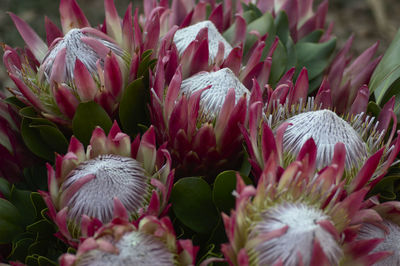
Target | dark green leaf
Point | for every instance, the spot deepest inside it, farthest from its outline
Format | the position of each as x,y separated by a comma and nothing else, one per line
282,26
144,64
133,107
313,37
38,203
53,138
279,63
29,112
88,115
34,142
10,221
387,71
15,102
224,185
5,188
192,204
22,201
20,249
314,56
373,109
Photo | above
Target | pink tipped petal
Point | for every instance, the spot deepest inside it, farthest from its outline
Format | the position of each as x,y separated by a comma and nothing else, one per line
323,99
363,60
217,17
98,142
152,31
361,102
113,21
61,221
308,155
385,115
73,188
113,76
240,30
268,144
224,114
339,159
147,150
173,91
234,60
72,16
76,147
200,57
318,256
27,93
120,210
101,50
34,42
127,30
85,85
52,31
58,71
300,90
66,100
67,259
365,173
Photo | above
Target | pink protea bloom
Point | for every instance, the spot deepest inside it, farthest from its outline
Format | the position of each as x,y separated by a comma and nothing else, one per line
78,64
296,217
388,230
151,242
83,186
295,119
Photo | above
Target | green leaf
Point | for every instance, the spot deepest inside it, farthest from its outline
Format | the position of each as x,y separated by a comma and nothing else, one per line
264,24
192,204
10,221
34,141
21,199
224,185
313,37
314,56
53,137
387,72
20,249
29,112
144,63
248,16
279,63
38,203
15,102
5,188
373,109
88,115
282,26
133,107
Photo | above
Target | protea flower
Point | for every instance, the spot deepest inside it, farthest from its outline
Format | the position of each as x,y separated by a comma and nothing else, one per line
78,64
388,230
14,154
83,186
296,119
151,242
294,217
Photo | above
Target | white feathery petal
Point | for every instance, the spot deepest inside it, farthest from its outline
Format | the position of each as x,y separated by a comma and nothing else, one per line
76,48
327,129
390,243
213,98
135,248
115,176
183,37
299,238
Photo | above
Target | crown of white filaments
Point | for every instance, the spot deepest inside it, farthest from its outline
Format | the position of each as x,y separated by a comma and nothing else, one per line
134,248
213,98
114,176
303,228
390,233
185,36
327,129
76,48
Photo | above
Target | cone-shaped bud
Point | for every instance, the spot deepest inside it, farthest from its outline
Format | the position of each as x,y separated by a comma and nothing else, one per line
89,46
85,187
219,83
185,36
152,242
327,129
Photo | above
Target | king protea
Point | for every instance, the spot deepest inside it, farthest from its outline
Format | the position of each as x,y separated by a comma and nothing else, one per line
84,185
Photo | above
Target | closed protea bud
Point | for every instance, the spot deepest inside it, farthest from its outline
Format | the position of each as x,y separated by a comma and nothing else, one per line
78,64
83,187
362,136
151,242
295,217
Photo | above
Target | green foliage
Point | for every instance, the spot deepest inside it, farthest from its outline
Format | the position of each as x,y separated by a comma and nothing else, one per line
87,117
385,81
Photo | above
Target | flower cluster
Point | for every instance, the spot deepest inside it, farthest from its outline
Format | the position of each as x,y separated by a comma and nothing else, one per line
198,132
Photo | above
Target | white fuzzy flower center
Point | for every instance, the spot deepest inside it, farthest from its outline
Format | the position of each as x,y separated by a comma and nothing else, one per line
327,129
390,243
213,98
76,48
185,36
115,176
135,248
303,229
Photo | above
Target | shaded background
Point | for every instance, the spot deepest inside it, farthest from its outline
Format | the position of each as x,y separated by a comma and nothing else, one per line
368,23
